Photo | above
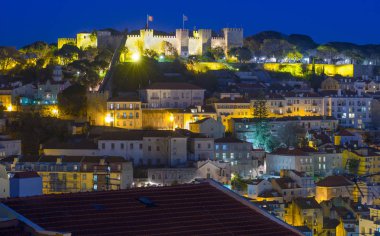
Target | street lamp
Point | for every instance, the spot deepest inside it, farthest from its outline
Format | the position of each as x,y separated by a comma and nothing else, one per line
135,57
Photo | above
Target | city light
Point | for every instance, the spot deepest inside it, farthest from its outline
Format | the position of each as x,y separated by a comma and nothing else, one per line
108,118
54,111
9,108
171,118
135,56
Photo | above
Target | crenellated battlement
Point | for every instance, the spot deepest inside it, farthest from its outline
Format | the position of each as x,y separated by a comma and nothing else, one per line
233,29
217,38
134,36
164,37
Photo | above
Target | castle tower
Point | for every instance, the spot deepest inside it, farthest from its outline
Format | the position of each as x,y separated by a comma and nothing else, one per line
233,37
182,36
205,39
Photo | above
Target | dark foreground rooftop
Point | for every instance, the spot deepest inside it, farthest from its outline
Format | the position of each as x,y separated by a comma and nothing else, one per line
195,209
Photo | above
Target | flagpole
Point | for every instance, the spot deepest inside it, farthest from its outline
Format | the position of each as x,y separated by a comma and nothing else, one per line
183,21
147,21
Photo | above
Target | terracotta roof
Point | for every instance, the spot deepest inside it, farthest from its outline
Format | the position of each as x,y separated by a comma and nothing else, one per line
344,133
138,134
195,209
229,140
13,228
334,181
70,144
190,134
289,152
270,193
307,203
181,86
330,223
286,183
200,121
25,175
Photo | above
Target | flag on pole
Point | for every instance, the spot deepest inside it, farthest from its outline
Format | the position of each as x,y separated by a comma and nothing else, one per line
185,18
150,18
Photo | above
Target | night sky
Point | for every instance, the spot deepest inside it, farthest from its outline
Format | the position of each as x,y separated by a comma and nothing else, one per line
26,21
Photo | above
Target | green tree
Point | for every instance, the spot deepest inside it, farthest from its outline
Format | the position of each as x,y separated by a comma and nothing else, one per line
327,53
72,101
151,53
243,54
263,137
277,48
68,53
292,135
8,56
168,49
260,109
217,53
294,55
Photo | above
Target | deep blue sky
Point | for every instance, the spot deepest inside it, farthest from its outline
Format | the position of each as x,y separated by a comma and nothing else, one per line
26,21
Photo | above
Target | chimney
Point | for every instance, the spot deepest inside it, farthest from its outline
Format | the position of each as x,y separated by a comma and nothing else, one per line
199,109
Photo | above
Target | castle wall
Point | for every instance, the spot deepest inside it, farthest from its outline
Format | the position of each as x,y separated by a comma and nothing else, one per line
195,46
182,36
218,42
149,41
86,40
205,37
233,37
63,41
185,45
107,40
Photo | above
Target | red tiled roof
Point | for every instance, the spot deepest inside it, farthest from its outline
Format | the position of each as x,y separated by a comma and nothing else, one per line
344,133
181,86
196,209
289,152
334,181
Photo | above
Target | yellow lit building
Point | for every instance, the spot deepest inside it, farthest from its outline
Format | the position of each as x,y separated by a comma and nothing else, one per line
305,211
369,225
75,173
227,108
6,100
363,161
124,113
332,187
293,104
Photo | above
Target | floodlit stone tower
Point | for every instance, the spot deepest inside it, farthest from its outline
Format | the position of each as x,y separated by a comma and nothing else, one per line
233,37
182,36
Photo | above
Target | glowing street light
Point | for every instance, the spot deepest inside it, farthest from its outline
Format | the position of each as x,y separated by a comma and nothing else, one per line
54,111
135,56
9,108
108,118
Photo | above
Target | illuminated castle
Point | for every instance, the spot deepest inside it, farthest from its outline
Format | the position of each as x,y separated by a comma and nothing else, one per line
185,42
